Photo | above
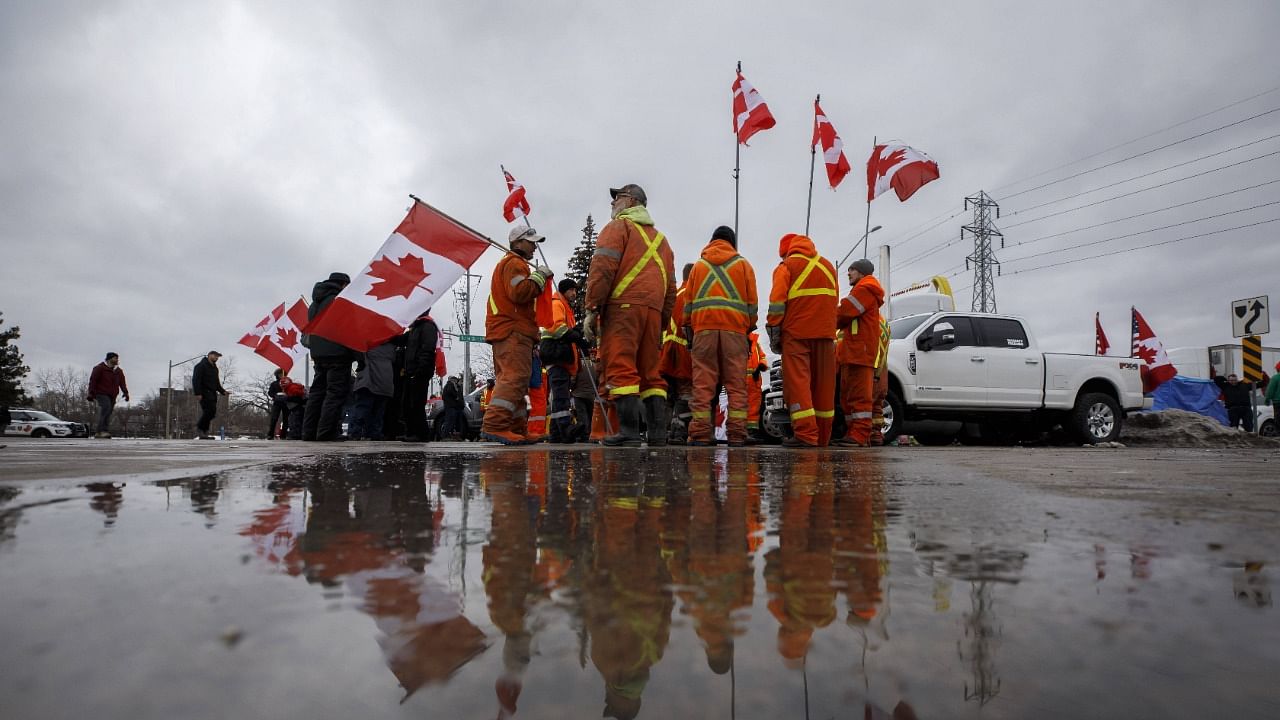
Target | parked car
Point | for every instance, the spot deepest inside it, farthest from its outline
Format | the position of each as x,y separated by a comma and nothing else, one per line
979,377
1266,421
471,411
39,424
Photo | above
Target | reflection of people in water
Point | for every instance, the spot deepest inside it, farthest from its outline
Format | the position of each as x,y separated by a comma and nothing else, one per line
708,549
798,573
106,498
626,598
204,497
509,559
1251,587
860,546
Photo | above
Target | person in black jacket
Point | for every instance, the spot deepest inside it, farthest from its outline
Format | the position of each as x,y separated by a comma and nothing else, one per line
206,387
419,368
1235,395
454,417
328,394
279,410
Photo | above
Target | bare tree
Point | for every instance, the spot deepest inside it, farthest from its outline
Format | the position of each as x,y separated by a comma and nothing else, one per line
62,392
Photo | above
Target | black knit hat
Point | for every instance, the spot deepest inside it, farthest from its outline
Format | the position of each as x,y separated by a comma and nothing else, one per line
565,284
726,233
339,277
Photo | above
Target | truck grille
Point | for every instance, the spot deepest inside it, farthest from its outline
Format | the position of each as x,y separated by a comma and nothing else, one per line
775,376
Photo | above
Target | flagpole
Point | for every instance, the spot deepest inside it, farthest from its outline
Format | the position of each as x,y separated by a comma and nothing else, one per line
737,165
813,154
525,217
867,231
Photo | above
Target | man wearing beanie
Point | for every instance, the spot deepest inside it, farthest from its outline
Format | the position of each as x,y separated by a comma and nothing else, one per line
322,419
856,352
720,312
562,365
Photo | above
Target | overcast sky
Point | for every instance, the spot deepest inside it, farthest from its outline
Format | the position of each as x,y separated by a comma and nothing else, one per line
171,170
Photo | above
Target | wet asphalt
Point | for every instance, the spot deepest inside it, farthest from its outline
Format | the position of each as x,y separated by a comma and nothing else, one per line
143,579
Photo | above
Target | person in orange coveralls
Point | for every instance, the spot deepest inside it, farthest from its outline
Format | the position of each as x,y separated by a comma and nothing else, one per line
631,291
512,330
881,381
858,317
719,313
676,365
757,368
801,326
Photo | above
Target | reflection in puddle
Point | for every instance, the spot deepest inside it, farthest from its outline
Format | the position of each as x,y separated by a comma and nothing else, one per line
627,584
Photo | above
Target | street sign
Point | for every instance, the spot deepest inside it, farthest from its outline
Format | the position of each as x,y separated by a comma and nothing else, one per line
471,338
1251,358
1250,317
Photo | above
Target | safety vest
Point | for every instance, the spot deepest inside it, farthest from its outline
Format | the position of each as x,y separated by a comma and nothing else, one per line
652,246
808,309
511,299
882,352
719,303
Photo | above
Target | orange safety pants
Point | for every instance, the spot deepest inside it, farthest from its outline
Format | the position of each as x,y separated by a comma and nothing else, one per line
538,410
877,401
754,396
857,385
512,365
809,387
718,357
631,349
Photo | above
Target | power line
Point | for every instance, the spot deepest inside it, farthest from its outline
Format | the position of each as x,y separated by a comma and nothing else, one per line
1141,247
1137,139
933,224
1174,166
1143,214
931,251
1138,191
1147,152
1142,232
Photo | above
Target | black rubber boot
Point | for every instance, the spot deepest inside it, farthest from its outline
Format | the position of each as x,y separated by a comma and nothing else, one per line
629,418
657,420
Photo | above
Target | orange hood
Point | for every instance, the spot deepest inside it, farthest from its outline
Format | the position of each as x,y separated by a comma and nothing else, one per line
718,252
793,243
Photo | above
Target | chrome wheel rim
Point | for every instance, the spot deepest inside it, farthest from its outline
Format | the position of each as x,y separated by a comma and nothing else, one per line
1102,420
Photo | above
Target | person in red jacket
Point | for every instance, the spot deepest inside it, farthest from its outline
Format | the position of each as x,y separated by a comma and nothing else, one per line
106,382
858,317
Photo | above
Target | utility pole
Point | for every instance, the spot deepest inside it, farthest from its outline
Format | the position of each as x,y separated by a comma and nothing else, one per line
983,258
464,324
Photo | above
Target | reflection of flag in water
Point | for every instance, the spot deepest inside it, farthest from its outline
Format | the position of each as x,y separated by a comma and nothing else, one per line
275,532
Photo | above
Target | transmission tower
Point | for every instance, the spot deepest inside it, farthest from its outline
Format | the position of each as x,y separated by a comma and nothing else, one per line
983,258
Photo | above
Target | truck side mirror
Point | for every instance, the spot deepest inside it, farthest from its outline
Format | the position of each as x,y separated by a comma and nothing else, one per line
924,342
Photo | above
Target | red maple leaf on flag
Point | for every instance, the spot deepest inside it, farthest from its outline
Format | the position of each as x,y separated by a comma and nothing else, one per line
287,339
1146,353
397,279
894,158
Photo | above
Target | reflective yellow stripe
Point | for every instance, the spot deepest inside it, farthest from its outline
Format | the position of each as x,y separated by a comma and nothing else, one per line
493,306
825,413
853,326
650,253
668,337
625,390
653,392
701,414
814,262
623,503
737,414
802,414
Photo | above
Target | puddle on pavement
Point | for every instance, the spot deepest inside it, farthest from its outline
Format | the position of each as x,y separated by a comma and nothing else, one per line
626,584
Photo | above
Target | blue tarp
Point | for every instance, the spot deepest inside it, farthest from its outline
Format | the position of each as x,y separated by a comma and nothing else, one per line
1188,393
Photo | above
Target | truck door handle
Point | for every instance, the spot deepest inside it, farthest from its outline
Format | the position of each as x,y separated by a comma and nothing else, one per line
977,359
1029,361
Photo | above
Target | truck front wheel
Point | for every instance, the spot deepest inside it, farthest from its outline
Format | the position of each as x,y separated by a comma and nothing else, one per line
893,417
1095,418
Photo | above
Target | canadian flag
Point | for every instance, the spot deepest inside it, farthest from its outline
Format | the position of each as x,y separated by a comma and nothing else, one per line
1100,344
282,344
1156,367
252,337
832,146
516,205
901,167
422,259
750,113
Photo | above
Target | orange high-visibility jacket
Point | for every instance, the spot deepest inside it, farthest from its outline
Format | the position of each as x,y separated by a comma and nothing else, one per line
561,323
756,359
511,294
803,298
676,360
859,317
632,265
722,287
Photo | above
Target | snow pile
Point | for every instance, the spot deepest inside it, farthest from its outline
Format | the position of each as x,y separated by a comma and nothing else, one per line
1182,428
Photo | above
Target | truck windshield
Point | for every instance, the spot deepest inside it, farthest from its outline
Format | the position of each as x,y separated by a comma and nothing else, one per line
902,327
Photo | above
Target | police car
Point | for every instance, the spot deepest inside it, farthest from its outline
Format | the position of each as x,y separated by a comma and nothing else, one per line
39,424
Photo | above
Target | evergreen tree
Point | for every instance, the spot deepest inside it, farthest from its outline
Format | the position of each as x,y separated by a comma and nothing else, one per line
12,371
580,263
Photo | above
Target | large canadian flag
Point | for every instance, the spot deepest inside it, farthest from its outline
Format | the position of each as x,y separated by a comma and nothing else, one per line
832,146
422,259
1156,367
750,113
264,326
898,166
516,204
282,344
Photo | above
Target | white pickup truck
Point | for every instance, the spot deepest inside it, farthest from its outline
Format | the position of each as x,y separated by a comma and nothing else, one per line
982,375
